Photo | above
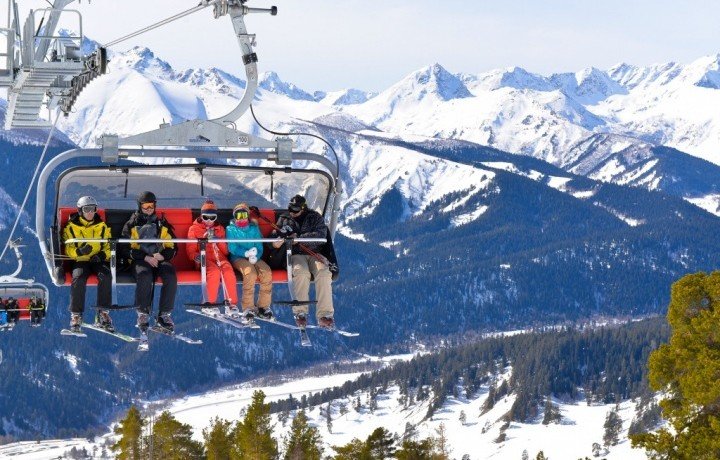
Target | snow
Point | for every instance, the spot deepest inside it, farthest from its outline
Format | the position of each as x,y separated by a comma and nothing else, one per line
348,232
71,359
43,450
710,203
466,218
632,222
581,425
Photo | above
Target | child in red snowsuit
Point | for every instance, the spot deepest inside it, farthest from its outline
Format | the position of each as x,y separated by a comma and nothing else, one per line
216,260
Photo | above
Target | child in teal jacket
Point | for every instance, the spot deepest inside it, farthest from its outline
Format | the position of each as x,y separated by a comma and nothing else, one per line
245,257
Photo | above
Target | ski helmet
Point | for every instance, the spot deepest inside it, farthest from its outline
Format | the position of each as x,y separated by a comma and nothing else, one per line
297,203
86,201
146,197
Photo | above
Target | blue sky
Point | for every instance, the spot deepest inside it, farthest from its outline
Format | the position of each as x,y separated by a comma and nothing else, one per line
370,44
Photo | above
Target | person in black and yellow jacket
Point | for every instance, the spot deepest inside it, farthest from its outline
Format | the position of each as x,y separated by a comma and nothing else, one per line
151,260
88,258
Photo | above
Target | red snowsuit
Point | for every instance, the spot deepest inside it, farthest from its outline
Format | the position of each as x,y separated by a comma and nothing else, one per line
215,259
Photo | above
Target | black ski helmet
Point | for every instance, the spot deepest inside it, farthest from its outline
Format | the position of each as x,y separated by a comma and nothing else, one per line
146,197
297,203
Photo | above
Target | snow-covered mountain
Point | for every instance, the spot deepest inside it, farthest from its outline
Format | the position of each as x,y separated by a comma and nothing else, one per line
602,124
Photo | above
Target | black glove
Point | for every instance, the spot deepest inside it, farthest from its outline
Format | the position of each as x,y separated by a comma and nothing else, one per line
334,270
97,258
83,249
254,211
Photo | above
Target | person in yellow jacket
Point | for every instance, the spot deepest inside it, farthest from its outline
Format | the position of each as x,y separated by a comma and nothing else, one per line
88,258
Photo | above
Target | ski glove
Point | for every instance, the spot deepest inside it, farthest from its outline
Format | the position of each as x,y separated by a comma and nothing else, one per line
251,255
97,258
335,271
83,249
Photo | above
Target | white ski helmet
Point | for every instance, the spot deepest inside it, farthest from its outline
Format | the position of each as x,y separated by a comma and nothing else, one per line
86,201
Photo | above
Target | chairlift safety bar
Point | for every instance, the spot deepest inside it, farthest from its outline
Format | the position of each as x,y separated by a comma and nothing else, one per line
193,240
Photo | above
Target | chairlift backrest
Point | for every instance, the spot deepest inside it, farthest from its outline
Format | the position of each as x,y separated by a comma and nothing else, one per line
181,220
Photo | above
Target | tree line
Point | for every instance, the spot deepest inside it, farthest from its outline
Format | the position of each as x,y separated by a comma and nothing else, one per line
251,438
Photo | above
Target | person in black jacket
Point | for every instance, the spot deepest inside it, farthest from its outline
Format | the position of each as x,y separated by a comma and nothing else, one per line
302,222
13,310
150,260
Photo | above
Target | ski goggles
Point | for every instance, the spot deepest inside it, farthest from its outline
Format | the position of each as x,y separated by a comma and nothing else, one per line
241,215
89,208
294,209
147,206
208,217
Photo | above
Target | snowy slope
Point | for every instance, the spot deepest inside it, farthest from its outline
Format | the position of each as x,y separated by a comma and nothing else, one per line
572,438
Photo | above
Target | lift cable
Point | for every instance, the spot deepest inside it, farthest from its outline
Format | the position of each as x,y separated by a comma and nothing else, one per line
204,4
32,181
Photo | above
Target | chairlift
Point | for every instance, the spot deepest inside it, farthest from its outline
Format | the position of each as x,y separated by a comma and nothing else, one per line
264,173
24,291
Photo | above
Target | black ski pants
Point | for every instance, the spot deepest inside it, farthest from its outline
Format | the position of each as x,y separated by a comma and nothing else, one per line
145,275
80,273
13,314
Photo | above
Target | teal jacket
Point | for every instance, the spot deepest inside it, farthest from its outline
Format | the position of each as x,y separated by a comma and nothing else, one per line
237,250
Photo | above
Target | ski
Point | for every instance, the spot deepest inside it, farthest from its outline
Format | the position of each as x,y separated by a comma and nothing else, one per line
143,345
304,337
279,323
119,335
334,329
179,337
69,332
226,320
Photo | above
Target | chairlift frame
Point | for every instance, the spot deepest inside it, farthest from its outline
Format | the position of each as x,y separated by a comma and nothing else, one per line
180,142
12,286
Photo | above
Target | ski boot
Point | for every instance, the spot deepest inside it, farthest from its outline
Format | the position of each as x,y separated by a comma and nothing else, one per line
232,311
265,313
164,321
75,322
301,320
326,322
103,320
143,322
211,311
248,316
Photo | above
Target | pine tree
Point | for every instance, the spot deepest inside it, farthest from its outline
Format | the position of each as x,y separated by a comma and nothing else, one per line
613,427
442,449
541,456
172,440
415,450
218,439
129,446
328,417
304,442
686,369
463,417
354,450
253,435
552,412
381,444
490,401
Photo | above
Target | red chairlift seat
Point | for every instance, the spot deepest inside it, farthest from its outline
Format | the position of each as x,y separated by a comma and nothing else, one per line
181,220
